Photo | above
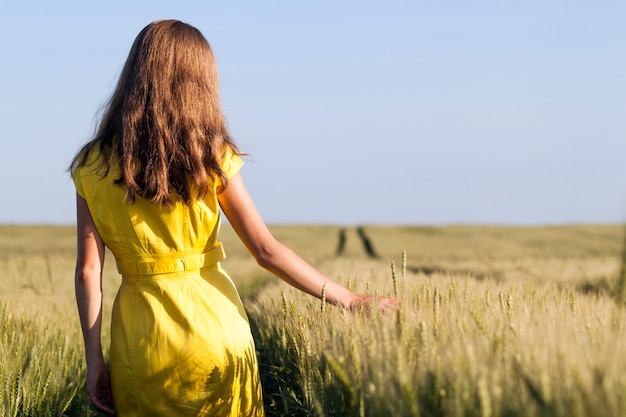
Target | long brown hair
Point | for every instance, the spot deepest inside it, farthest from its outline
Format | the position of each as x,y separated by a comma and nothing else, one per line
163,125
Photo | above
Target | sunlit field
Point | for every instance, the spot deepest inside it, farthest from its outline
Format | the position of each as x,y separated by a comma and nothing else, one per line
495,321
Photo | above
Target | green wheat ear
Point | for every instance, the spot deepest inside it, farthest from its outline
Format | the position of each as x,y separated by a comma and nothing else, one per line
284,303
395,279
403,263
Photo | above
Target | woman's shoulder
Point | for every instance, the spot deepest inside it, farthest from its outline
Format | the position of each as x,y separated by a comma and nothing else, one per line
91,167
94,171
231,161
93,161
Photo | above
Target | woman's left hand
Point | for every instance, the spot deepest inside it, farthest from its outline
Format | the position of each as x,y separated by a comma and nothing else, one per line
385,304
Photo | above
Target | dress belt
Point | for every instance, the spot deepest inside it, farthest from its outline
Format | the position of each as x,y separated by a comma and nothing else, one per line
154,264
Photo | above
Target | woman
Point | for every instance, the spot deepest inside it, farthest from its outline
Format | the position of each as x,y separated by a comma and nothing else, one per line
150,185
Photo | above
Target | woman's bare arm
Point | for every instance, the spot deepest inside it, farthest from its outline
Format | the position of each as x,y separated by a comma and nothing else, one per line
279,259
88,287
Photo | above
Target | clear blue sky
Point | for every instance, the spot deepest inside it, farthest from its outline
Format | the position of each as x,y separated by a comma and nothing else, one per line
352,111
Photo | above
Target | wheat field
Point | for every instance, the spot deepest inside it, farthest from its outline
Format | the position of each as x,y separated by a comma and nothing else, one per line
495,321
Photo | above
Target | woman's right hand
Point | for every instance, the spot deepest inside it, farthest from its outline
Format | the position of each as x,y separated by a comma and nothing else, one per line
99,388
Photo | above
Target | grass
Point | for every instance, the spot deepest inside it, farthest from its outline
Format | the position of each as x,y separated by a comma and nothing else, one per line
496,321
517,332
471,348
42,367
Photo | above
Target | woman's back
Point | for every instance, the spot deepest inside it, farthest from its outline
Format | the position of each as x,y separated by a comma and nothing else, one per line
144,228
178,325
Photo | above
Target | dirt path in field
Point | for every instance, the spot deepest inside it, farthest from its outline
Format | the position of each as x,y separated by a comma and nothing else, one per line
353,241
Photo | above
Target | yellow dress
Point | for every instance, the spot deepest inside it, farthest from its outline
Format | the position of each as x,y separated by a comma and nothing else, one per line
180,339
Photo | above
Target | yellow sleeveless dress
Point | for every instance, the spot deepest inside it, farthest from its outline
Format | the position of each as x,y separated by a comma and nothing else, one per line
180,339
